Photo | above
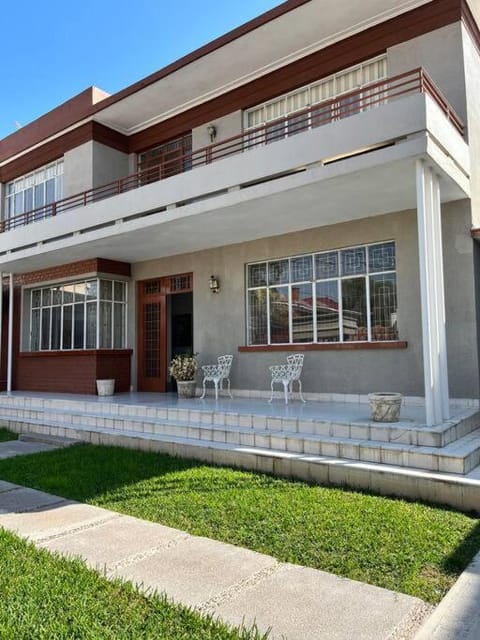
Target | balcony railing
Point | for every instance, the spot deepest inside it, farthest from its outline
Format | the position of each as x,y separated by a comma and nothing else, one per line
348,104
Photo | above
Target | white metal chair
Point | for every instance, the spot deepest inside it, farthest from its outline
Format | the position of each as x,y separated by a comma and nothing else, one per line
287,374
217,373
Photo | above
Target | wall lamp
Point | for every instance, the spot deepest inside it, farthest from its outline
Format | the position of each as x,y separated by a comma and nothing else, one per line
214,284
212,132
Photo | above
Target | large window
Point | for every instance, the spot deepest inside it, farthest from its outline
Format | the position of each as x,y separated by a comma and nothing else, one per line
166,160
90,314
37,190
283,108
346,295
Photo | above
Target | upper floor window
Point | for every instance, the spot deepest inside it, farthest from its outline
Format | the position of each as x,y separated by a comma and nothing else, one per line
346,295
326,89
166,160
35,190
90,314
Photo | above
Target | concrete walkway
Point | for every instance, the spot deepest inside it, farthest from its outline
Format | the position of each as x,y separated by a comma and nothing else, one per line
235,584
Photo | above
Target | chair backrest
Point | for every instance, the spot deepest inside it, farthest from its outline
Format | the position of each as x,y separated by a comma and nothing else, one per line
226,363
296,363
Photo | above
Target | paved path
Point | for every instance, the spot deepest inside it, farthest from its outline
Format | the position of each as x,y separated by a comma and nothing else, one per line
230,582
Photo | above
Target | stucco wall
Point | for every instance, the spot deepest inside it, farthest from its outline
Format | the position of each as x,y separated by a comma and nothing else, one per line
440,53
227,127
91,165
219,320
108,164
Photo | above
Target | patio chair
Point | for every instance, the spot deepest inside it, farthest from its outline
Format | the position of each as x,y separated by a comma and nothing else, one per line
287,374
217,373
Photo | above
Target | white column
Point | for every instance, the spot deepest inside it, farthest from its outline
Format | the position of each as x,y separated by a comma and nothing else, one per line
1,315
10,334
432,295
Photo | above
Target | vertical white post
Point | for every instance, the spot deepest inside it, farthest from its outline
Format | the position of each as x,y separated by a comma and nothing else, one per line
10,334
422,205
1,316
432,295
440,302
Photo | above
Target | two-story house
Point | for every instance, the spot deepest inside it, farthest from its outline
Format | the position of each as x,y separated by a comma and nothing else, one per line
309,182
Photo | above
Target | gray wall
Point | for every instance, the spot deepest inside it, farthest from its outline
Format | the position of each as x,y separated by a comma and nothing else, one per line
227,127
91,165
219,320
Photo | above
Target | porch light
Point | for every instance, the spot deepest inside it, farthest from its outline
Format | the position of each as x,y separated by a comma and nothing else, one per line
212,132
214,284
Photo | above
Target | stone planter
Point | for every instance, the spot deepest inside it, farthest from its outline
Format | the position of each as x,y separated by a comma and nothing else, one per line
105,387
186,388
385,407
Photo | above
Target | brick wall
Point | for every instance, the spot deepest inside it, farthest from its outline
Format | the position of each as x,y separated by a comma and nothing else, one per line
72,371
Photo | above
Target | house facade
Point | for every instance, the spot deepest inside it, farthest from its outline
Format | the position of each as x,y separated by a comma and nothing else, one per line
309,182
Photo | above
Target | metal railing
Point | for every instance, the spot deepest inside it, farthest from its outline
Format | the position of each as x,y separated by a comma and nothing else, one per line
367,97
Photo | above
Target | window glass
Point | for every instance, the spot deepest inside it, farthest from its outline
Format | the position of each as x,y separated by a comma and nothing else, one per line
257,317
335,296
353,261
65,316
105,290
279,322
105,325
257,275
328,311
326,265
301,269
78,326
383,306
34,190
302,313
278,272
354,310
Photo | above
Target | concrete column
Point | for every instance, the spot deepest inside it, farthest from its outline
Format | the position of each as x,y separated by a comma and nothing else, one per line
432,295
1,314
10,334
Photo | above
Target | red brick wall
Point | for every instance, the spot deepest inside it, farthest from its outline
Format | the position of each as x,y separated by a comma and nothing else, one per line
72,371
62,271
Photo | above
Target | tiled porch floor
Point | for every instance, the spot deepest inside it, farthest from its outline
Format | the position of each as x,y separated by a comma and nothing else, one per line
338,412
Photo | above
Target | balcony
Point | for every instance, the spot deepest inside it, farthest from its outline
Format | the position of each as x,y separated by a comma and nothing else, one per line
358,148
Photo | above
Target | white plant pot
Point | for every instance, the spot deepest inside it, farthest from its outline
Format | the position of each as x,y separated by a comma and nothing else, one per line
105,387
385,406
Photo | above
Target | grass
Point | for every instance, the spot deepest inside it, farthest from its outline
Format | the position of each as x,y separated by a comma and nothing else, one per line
45,597
6,435
409,547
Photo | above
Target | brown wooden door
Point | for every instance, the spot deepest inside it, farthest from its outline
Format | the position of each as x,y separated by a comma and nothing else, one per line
152,328
152,337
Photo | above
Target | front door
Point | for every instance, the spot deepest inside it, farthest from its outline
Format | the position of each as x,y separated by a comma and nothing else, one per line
153,343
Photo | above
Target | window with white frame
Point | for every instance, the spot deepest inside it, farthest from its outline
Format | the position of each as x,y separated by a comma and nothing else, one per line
310,95
89,314
346,295
35,190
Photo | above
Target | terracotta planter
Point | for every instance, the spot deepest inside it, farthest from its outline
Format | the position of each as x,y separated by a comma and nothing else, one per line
186,388
385,406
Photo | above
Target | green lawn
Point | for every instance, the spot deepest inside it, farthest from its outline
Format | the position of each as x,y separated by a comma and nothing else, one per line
6,435
45,597
405,546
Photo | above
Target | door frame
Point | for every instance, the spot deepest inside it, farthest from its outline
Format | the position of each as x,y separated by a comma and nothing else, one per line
160,289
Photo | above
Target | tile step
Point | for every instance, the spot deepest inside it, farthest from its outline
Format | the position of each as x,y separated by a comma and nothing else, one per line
442,488
395,433
458,457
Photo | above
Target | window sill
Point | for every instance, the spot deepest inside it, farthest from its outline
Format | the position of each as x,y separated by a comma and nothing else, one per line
327,346
75,352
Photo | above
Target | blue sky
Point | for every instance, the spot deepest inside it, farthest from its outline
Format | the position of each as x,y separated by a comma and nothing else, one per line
53,50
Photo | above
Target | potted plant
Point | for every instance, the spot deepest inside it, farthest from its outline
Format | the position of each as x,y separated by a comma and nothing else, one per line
183,368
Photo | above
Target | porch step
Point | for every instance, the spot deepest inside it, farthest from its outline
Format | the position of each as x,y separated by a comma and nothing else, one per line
459,457
449,489
58,441
139,418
